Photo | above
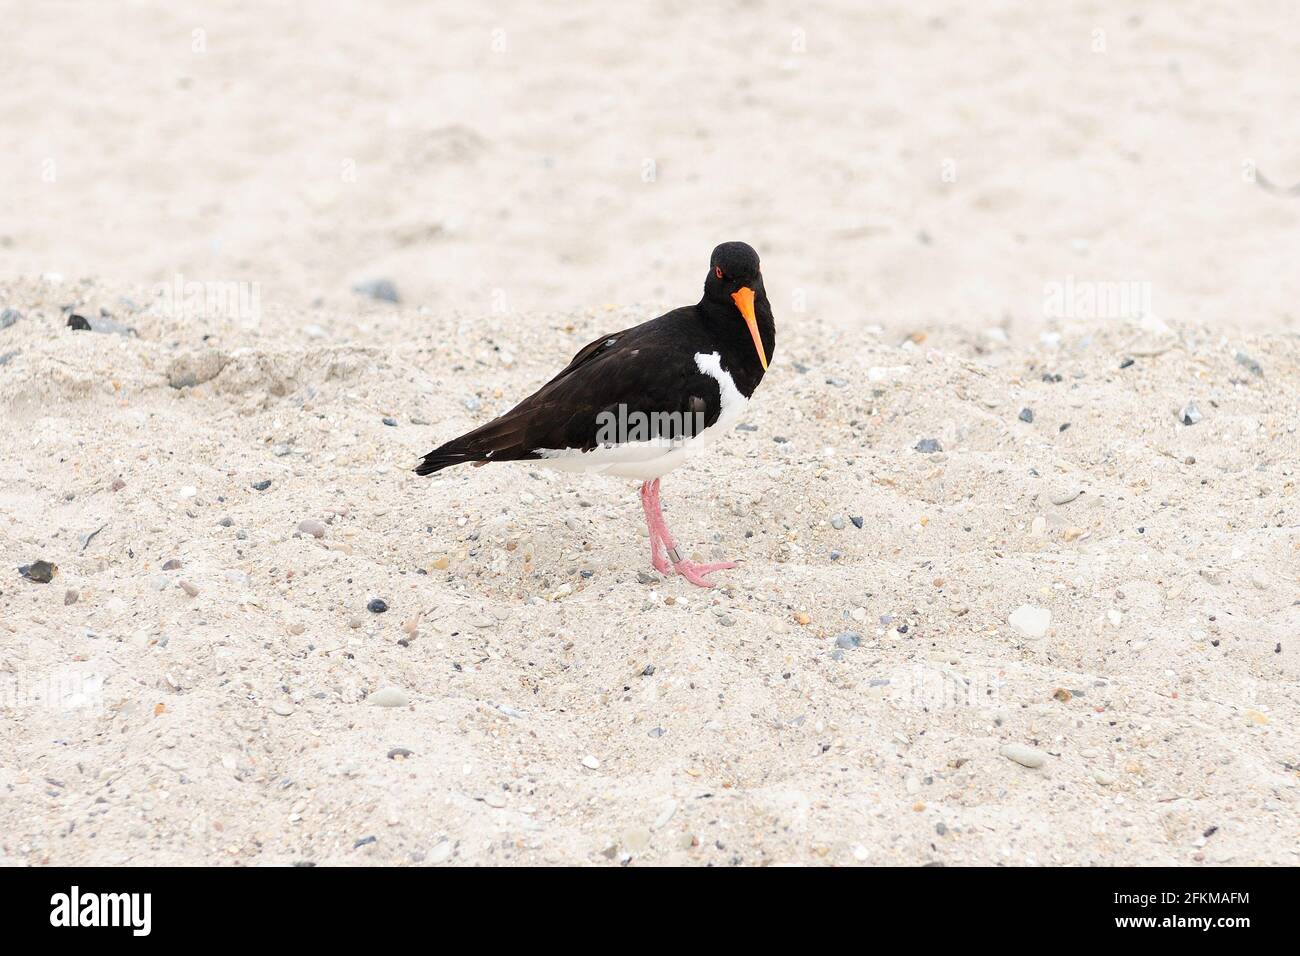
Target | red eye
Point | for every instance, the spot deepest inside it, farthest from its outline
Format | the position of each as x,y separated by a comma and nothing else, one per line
717,271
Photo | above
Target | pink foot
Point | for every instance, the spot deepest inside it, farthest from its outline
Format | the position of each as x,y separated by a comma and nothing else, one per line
661,540
695,572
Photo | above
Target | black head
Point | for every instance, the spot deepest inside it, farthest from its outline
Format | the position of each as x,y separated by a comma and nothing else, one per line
734,282
732,265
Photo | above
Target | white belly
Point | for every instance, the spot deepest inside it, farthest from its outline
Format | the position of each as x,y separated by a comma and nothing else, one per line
647,460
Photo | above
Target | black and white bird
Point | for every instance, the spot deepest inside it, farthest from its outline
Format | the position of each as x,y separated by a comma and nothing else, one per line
640,402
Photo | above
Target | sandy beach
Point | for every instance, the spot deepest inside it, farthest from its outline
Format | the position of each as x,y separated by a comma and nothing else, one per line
1015,506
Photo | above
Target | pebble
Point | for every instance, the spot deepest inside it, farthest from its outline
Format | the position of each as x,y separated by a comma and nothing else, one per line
635,840
1190,414
665,815
1025,756
388,697
70,597
645,577
1031,621
1066,496
837,523
1103,777
171,564
848,640
312,527
928,446
262,485
281,708
390,422
118,484
590,762
190,589
226,522
857,520
40,572
8,317
440,853
377,606
1242,358
382,289
495,798
1026,415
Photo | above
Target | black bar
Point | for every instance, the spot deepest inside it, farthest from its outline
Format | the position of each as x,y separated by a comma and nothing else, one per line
337,905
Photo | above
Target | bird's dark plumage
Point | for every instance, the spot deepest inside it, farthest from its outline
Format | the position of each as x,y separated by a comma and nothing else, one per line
650,368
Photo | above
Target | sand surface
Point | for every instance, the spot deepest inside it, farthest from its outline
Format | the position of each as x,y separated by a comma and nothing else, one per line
1102,592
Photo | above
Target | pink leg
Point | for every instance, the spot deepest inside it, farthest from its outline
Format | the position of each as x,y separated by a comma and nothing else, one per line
659,529
650,504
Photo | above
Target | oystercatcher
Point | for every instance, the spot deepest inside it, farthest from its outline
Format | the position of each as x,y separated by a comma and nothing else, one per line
640,402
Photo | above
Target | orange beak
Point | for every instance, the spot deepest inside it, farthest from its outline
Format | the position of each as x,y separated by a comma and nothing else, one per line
744,299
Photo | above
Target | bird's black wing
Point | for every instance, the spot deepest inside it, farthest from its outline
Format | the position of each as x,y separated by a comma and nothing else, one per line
647,369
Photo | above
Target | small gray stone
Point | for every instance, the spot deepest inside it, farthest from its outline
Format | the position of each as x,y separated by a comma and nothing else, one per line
1190,414
312,527
1027,415
382,289
8,317
188,588
928,446
281,708
837,523
848,640
1242,358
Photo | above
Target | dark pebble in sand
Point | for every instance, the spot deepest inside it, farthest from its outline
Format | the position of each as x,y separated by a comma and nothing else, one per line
377,606
928,446
262,485
857,520
363,841
390,422
78,323
41,572
1026,414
